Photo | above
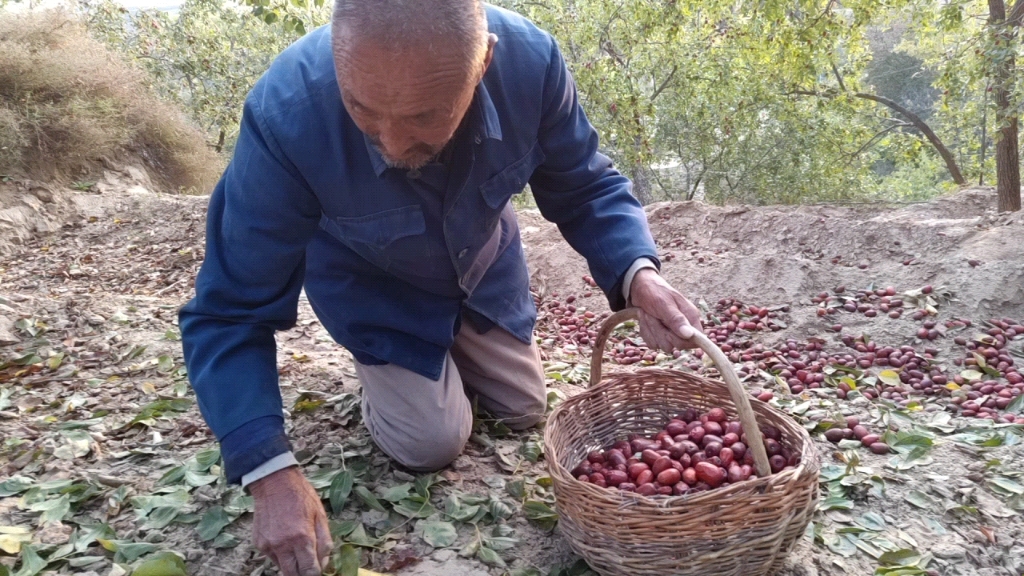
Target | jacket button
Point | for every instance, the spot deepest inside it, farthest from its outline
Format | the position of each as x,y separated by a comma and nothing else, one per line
463,252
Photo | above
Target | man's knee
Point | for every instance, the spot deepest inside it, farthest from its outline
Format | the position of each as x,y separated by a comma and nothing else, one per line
435,450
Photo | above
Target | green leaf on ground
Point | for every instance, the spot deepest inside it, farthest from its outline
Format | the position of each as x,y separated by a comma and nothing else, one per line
160,408
890,377
842,545
871,521
215,520
1017,406
424,483
146,504
31,562
161,517
488,556
52,510
532,448
13,537
971,375
440,534
498,509
903,557
205,459
836,503
162,564
15,485
516,489
226,540
173,476
366,497
919,499
195,479
541,514
397,493
339,490
165,363
359,537
1008,485
126,551
347,559
412,509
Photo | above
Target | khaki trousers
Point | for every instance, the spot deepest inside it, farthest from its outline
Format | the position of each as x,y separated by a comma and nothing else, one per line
424,424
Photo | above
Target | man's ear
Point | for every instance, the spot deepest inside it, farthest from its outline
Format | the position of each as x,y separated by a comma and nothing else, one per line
492,39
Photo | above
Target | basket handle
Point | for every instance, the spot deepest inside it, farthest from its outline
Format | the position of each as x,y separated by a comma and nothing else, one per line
736,388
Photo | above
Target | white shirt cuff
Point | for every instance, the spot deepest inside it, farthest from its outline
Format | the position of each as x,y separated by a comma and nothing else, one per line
641,263
279,462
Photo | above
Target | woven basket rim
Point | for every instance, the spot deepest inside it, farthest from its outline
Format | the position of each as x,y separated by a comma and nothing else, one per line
808,453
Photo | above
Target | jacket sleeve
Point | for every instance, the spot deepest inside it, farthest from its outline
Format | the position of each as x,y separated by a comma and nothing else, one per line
577,188
261,216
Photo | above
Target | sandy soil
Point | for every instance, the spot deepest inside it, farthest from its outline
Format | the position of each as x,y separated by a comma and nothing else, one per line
90,282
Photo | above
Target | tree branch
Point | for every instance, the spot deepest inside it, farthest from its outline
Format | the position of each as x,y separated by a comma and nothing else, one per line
665,82
915,120
876,137
1016,17
839,78
922,126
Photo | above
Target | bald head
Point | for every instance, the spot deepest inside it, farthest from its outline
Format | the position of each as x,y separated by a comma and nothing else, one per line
408,70
436,26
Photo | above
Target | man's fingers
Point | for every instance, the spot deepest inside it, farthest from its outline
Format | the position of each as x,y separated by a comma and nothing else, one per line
323,542
307,560
680,325
286,563
677,343
651,330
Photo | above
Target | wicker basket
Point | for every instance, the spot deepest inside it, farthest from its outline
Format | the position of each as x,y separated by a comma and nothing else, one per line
745,529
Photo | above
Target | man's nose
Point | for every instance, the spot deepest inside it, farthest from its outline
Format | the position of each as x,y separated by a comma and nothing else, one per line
394,139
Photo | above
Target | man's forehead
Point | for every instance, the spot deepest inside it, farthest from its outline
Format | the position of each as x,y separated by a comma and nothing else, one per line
378,69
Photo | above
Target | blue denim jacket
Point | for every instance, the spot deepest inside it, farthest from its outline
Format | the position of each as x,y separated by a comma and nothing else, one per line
388,262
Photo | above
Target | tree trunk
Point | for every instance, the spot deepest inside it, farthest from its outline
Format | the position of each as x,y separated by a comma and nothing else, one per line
922,126
219,147
642,184
641,171
1007,154
984,138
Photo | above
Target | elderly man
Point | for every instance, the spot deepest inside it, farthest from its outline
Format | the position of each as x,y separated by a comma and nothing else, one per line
374,167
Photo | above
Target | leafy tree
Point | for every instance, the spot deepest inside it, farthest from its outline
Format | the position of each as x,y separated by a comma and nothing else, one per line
972,46
205,58
713,86
772,101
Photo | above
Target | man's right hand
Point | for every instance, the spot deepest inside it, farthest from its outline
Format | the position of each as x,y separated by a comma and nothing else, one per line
290,525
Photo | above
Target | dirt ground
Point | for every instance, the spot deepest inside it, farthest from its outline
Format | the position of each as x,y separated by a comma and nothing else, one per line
105,459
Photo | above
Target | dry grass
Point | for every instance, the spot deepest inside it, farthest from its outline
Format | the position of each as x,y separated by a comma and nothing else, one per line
67,103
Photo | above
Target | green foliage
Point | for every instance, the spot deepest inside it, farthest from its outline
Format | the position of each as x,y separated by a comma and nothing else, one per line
205,58
721,98
294,16
708,88
956,41
748,102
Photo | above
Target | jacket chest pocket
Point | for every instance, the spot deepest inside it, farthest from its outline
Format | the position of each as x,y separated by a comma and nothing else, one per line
497,190
376,236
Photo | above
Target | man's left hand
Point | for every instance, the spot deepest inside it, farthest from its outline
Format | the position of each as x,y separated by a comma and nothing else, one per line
667,319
